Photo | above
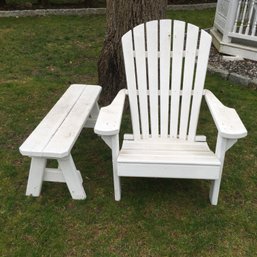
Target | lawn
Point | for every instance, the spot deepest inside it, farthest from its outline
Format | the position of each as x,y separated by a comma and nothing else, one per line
40,57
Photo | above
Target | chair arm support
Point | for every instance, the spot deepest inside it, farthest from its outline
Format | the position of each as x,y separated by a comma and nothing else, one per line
226,119
109,119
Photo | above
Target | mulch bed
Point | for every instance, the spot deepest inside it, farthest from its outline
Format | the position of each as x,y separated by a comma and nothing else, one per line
244,67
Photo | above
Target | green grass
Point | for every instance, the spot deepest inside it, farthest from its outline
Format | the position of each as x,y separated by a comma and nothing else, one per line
39,58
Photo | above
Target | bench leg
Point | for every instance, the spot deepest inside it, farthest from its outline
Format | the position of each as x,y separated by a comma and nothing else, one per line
36,174
90,123
95,111
72,178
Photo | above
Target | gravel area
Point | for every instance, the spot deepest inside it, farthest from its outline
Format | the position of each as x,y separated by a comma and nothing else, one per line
246,68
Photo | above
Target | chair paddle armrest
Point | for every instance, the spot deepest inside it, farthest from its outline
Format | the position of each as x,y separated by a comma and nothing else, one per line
226,119
109,118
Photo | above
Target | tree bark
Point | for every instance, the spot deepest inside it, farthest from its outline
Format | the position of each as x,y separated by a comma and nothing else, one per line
122,15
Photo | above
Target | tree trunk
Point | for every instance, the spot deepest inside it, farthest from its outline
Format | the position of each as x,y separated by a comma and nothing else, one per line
2,3
122,15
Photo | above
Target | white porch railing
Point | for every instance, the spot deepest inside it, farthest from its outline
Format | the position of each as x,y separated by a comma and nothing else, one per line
236,22
246,20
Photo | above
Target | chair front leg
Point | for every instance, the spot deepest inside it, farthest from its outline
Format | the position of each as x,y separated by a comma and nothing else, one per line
222,145
116,178
113,143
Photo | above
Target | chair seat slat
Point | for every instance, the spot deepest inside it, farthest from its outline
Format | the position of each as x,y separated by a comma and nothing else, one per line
196,153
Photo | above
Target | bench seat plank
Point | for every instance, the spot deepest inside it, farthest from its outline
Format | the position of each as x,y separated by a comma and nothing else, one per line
42,134
73,124
49,127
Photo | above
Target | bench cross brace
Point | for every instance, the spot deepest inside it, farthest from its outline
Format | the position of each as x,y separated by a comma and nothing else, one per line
65,173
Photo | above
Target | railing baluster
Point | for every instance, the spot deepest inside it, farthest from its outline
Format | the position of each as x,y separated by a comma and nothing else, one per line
249,18
254,28
254,20
237,16
243,18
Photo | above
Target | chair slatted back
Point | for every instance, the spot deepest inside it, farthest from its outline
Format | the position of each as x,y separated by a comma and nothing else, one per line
165,63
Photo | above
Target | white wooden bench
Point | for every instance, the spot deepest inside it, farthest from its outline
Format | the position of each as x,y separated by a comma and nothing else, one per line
55,136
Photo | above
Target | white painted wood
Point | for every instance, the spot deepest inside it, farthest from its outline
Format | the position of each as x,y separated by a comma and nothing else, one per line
127,47
157,150
63,140
234,49
198,138
254,23
170,144
158,170
56,175
116,178
53,175
90,122
230,143
189,68
202,62
237,28
215,185
165,46
139,43
177,60
58,131
107,140
249,17
55,136
36,174
230,18
237,16
72,178
147,53
243,36
167,153
43,133
243,17
226,119
109,119
167,157
152,60
180,92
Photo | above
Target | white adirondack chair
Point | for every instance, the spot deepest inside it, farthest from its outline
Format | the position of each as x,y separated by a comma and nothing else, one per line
166,63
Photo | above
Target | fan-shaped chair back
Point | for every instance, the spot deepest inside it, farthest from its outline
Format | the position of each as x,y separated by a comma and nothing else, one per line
166,63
